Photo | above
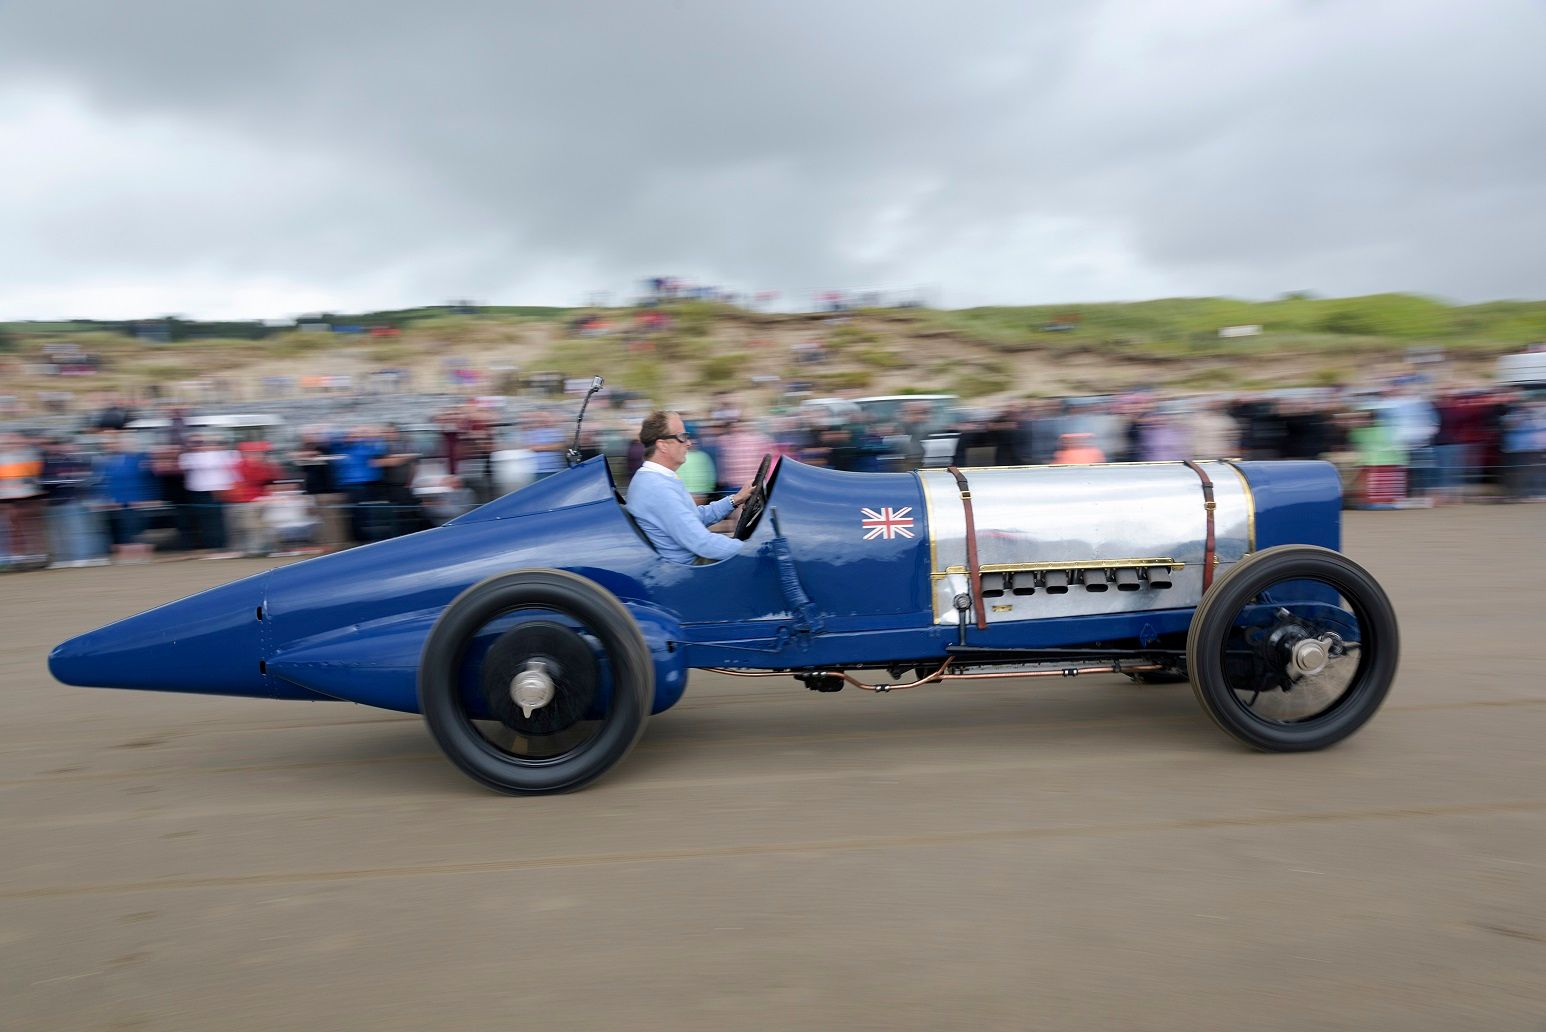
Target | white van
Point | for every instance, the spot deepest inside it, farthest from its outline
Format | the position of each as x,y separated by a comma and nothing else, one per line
234,428
1524,369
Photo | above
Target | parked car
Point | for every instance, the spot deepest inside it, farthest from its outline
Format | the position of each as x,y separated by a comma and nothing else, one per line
941,415
943,418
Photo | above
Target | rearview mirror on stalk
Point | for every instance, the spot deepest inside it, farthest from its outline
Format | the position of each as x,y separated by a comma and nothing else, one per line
573,454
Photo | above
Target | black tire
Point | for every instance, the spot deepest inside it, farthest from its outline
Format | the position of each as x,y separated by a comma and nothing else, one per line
1217,626
581,601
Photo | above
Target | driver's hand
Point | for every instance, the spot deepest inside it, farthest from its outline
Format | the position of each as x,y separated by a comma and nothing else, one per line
743,494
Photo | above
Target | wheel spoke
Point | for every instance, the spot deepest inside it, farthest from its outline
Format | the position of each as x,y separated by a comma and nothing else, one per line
1258,656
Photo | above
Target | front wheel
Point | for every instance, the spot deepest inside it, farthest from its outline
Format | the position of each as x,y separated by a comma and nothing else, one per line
1294,649
534,682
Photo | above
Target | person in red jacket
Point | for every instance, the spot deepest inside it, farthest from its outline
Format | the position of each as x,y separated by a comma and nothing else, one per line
254,473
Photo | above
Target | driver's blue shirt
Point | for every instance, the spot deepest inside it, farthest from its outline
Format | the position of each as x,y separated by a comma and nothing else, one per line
677,527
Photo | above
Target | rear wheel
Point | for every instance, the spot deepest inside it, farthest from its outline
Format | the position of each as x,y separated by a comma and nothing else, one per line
1294,649
535,682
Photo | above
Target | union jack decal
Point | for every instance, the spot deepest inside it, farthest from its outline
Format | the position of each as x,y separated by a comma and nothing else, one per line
887,523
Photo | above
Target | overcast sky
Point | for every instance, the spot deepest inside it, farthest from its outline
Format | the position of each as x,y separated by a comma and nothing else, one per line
269,159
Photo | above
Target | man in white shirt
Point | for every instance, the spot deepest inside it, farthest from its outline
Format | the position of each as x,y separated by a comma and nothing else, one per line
209,472
660,504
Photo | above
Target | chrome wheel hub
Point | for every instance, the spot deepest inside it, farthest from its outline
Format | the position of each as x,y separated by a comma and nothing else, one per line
1308,658
532,688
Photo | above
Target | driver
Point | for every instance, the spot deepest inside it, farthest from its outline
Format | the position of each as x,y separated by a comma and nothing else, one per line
660,504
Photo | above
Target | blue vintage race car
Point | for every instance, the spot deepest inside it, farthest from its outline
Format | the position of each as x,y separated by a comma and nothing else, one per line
535,634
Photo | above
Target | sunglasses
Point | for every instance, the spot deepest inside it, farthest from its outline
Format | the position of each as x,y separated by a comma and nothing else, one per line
684,438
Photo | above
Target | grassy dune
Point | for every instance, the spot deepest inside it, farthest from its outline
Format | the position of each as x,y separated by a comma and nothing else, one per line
982,353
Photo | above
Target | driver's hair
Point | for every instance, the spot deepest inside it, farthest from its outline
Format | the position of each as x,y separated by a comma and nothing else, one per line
656,425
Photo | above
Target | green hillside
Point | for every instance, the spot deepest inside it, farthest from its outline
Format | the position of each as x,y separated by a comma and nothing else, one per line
991,352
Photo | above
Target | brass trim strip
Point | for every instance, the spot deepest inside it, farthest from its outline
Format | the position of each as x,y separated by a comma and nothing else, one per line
1074,564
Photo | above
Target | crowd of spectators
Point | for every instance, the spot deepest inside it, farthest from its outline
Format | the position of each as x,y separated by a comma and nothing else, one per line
1400,446
114,493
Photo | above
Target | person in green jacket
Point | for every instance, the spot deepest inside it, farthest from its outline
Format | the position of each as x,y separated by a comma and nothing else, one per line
1381,461
697,472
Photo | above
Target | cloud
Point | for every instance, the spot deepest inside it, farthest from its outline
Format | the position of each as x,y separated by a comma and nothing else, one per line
202,159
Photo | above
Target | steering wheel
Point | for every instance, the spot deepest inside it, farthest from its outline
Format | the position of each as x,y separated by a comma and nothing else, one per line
751,509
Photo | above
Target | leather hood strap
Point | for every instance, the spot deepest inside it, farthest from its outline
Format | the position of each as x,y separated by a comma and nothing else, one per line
1210,556
973,567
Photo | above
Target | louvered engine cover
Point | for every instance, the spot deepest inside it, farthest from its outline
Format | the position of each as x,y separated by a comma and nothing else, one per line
1082,540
